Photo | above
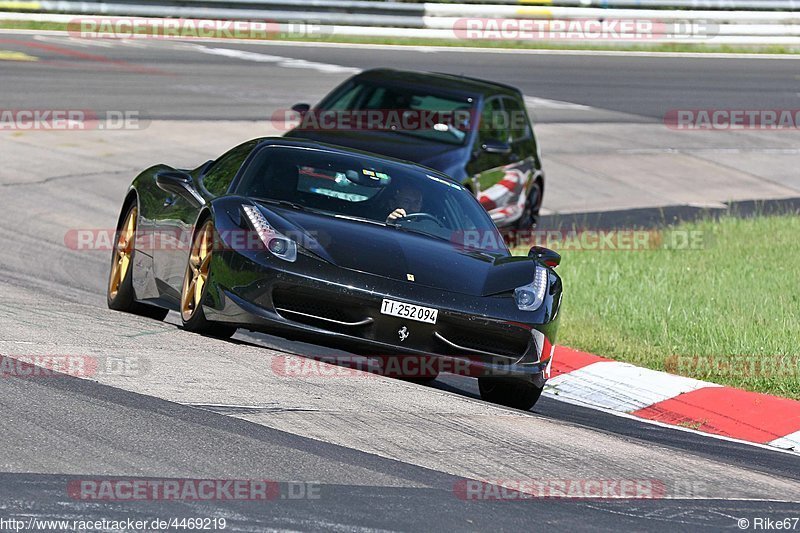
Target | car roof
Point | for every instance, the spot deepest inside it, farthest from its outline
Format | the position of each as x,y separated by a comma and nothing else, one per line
294,142
446,82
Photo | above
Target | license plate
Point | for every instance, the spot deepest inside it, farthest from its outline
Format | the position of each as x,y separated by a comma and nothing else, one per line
410,311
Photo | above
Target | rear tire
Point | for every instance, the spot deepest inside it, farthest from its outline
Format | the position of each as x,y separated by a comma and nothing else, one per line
516,393
119,294
195,284
530,214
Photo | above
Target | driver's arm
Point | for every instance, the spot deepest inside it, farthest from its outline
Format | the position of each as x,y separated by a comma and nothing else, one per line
397,213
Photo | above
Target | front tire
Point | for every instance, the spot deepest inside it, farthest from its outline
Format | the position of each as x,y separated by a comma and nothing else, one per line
120,295
516,393
195,283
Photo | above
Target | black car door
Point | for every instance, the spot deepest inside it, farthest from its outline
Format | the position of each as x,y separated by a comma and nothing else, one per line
526,166
178,213
501,165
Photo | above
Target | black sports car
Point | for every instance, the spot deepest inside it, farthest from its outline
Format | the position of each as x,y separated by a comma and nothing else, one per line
476,131
285,235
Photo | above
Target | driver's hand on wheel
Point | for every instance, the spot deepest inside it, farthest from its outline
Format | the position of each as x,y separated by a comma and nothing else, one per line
396,214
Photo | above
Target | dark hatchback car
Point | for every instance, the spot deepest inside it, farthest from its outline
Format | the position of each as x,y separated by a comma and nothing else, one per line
478,132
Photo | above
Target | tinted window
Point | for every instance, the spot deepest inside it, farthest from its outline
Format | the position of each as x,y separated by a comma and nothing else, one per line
519,126
366,189
344,99
494,122
218,178
418,112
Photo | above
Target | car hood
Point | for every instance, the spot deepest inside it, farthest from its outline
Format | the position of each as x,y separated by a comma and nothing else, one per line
395,254
439,156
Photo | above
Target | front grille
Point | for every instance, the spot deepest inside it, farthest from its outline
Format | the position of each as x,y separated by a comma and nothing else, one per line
453,335
315,308
509,342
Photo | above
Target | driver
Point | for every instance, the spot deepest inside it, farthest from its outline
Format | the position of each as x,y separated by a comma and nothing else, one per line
408,200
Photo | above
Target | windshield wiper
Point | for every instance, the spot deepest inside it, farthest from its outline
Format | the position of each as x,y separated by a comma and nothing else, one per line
360,219
292,205
284,203
445,140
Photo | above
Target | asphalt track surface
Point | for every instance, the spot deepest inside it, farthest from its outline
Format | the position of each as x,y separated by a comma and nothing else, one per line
386,454
178,80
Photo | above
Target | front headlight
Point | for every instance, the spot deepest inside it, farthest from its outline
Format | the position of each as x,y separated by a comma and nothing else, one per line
531,296
278,245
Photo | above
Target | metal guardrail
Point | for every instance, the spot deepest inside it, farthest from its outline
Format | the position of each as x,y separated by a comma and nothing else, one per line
727,5
434,8
245,10
431,20
757,5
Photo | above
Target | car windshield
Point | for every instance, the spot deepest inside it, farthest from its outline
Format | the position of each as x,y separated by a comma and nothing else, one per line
367,190
417,112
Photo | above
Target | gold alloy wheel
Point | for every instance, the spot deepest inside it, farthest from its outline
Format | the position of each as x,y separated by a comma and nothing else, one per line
194,281
123,250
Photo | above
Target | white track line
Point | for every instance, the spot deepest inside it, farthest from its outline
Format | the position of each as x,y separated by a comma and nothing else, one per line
285,62
621,386
544,103
789,442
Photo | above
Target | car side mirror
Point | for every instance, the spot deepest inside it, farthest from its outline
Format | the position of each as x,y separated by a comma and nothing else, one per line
301,108
547,256
493,146
180,183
